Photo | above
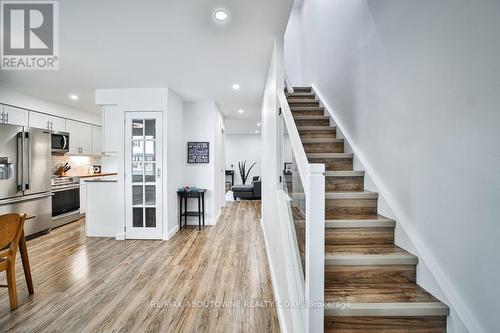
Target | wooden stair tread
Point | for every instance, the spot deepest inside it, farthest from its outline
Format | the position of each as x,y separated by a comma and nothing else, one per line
363,250
378,222
323,140
307,108
316,128
300,94
302,117
302,100
330,155
361,194
377,293
352,173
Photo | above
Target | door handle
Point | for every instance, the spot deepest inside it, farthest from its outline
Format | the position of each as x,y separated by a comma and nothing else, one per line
20,161
158,172
28,183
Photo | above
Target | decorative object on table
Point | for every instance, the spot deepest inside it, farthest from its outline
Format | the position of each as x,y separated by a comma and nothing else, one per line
198,152
288,167
243,172
192,192
187,188
97,168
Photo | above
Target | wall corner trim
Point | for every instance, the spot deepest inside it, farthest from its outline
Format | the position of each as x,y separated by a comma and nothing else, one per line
455,301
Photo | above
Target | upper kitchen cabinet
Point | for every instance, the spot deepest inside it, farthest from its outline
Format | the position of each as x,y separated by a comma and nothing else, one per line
113,135
45,121
80,137
12,115
96,140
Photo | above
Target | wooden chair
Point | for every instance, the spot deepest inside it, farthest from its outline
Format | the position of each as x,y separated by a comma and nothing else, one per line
11,230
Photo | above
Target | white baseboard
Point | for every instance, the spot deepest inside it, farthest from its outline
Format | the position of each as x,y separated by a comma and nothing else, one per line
423,253
120,236
279,309
171,232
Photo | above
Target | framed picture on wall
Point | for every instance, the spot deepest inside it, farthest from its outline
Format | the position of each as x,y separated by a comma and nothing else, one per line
198,152
288,167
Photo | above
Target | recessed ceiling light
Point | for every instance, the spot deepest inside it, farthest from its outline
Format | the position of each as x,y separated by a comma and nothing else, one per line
258,124
74,97
236,86
240,111
221,15
257,132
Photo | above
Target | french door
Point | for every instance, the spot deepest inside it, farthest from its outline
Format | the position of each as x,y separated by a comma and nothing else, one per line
143,160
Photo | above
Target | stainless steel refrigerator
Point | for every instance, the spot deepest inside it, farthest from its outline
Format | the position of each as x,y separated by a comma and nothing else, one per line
25,175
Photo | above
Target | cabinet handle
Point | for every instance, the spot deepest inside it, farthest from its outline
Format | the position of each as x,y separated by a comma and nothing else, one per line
51,125
48,125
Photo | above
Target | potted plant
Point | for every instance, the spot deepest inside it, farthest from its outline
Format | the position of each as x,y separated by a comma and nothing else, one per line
243,172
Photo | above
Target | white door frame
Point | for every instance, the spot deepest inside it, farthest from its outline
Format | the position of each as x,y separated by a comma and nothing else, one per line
132,232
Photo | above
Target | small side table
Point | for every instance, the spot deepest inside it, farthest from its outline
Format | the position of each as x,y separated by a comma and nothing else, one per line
183,196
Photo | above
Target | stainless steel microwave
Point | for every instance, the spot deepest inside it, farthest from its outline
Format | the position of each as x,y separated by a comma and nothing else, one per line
60,143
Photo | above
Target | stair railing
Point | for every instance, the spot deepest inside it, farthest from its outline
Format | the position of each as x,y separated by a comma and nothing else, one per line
304,185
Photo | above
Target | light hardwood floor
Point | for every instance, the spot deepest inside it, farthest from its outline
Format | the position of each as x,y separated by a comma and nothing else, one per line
102,285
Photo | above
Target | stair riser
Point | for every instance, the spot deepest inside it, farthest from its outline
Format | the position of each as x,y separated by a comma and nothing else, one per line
302,89
308,112
334,164
370,274
359,236
385,324
324,147
331,134
350,208
301,97
344,183
303,103
312,122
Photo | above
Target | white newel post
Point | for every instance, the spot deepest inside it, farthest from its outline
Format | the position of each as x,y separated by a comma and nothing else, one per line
315,248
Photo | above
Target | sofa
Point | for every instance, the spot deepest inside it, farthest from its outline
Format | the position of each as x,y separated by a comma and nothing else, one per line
248,192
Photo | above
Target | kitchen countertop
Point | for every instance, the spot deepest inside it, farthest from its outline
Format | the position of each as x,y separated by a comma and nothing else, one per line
87,175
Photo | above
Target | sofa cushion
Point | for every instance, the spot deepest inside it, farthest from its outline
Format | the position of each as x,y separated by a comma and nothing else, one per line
242,188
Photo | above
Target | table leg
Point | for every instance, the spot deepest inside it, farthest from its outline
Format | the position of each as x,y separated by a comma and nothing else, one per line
23,250
185,211
199,213
203,207
180,213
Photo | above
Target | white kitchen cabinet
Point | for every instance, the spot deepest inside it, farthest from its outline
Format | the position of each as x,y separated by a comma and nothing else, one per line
45,121
96,140
83,196
14,116
80,137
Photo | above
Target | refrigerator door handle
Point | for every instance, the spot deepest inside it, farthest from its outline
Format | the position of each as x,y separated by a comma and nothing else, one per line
20,162
28,183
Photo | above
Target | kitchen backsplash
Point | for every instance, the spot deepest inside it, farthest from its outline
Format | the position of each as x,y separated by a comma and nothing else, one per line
79,164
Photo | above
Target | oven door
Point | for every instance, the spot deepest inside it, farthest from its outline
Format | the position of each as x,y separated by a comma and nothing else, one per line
65,200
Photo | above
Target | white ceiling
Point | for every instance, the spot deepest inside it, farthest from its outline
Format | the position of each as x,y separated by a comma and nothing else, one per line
158,43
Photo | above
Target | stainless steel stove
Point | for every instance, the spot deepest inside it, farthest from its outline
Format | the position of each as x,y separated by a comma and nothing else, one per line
66,200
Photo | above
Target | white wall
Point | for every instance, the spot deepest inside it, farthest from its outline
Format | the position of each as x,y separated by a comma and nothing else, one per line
293,48
16,98
202,122
241,147
416,87
173,123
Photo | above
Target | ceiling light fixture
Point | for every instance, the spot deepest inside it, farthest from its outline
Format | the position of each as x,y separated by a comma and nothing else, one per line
240,111
221,15
257,131
258,124
236,86
74,97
